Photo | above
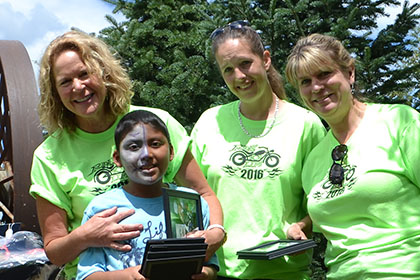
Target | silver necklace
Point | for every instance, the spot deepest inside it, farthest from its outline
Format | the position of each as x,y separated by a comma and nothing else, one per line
264,133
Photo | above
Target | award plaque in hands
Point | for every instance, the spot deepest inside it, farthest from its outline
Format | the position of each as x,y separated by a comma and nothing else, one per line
176,257
182,212
276,249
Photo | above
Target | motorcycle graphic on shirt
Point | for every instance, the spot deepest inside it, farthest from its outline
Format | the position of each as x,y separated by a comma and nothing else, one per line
253,162
262,154
104,171
108,176
328,190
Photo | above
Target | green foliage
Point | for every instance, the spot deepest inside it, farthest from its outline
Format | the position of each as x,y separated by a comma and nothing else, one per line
412,64
165,44
380,69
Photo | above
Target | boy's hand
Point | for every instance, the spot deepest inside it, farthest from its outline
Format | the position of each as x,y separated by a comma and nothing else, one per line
132,273
207,273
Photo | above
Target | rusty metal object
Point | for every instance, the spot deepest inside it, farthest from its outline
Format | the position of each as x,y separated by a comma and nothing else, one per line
20,131
6,191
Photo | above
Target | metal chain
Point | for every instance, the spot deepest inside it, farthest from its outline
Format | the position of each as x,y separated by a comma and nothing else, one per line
262,134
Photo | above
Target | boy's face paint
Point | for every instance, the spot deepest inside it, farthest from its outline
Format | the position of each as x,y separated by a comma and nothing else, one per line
145,154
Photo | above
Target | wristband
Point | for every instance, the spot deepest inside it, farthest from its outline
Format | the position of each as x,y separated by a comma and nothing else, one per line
222,228
216,226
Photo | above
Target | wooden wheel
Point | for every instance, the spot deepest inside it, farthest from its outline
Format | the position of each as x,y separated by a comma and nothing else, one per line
20,131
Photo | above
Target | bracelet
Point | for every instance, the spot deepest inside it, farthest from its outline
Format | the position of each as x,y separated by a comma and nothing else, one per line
222,228
216,226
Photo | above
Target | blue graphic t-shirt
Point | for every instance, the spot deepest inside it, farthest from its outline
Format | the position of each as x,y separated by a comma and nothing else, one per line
149,213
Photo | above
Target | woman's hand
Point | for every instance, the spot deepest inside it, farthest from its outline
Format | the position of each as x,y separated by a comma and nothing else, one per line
295,232
214,237
104,230
300,230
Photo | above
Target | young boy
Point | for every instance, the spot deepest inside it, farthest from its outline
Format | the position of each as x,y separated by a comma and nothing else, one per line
143,148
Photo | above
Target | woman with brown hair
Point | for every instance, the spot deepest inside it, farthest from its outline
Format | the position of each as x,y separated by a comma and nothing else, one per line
252,152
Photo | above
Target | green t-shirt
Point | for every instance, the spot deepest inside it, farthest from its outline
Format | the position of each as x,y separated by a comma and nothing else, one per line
372,222
69,170
258,182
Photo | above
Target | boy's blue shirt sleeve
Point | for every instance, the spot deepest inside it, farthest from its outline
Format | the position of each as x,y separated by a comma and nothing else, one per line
213,261
92,260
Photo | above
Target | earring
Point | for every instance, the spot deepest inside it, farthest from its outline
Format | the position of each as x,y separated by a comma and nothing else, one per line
353,90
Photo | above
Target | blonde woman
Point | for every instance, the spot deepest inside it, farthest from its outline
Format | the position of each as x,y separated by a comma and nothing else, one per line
362,181
84,92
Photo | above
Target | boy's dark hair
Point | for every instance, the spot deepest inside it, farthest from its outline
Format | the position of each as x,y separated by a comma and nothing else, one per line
131,119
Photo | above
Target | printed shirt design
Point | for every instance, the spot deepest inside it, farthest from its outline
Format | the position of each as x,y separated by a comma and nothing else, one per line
329,190
252,162
108,176
135,256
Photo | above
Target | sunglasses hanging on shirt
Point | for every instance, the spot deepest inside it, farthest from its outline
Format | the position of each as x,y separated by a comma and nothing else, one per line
336,174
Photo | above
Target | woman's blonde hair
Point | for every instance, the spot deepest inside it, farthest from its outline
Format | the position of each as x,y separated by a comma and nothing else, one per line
99,61
316,52
254,40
